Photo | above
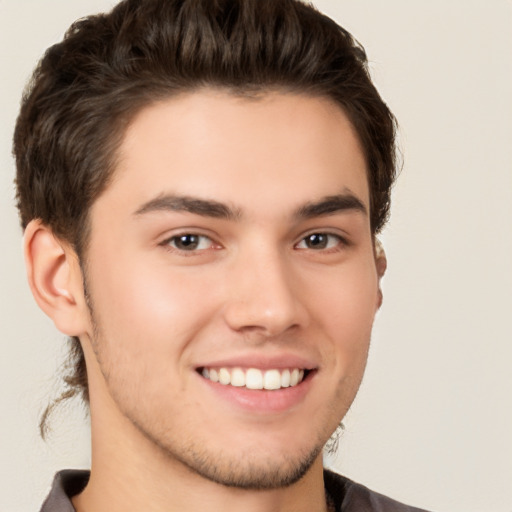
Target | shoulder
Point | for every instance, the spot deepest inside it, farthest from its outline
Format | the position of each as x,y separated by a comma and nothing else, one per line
349,496
66,483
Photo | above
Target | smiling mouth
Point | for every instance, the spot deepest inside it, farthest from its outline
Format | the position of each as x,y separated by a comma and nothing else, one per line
254,378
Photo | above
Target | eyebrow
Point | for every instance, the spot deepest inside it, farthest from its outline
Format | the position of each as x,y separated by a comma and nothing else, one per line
328,205
203,207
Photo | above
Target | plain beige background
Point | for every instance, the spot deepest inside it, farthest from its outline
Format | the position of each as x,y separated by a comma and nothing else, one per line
432,424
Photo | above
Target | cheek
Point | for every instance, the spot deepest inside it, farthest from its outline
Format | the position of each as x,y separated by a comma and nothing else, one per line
147,307
344,307
348,298
146,322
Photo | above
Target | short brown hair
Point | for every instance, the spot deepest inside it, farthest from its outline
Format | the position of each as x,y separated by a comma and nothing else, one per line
87,88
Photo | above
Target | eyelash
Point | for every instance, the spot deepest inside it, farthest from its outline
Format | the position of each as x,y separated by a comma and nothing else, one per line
170,243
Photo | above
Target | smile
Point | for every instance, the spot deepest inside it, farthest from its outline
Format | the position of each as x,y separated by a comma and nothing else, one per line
254,378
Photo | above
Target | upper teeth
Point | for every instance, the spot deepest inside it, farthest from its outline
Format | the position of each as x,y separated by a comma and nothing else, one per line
254,378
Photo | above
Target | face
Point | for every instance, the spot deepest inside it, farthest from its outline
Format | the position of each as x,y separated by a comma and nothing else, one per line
232,283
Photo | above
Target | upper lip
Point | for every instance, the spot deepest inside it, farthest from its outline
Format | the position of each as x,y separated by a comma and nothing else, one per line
263,362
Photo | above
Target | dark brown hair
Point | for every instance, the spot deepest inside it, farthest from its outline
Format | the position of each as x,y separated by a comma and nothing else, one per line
87,88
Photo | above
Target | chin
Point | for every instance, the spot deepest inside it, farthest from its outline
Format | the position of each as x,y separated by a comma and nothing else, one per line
249,473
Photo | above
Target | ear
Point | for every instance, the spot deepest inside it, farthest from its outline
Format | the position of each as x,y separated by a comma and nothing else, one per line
381,264
55,279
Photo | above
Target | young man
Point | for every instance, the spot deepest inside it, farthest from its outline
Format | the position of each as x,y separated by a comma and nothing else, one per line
200,184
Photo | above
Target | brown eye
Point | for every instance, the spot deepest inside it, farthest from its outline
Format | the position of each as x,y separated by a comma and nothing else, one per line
317,241
190,242
320,241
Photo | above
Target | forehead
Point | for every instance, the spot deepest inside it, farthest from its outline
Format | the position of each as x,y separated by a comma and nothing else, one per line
276,147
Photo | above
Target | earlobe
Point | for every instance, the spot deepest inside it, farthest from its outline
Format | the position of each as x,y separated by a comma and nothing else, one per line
381,264
55,278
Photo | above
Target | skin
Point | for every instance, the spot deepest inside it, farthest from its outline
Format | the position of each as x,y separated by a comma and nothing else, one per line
255,288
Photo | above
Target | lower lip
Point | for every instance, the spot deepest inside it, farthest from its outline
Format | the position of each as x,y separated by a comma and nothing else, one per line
262,400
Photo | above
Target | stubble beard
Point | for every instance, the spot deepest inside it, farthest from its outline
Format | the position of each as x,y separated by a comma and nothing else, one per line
244,472
247,471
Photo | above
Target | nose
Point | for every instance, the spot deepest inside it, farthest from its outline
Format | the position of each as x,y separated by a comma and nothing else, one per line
263,296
